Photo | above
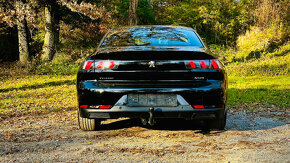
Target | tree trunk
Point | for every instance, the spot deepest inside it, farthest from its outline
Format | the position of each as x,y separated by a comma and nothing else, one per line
56,33
48,46
133,4
56,23
23,44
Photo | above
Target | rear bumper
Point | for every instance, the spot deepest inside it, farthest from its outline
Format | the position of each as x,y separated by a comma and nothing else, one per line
211,93
159,112
183,110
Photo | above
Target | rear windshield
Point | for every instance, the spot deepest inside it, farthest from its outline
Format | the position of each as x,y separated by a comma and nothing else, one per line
151,36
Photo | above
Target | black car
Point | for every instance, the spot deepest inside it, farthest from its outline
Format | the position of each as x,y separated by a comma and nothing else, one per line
152,72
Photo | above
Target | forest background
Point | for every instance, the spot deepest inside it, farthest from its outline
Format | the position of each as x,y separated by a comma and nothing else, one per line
42,43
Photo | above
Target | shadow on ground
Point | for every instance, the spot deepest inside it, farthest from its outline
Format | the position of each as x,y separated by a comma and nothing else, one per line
250,121
234,122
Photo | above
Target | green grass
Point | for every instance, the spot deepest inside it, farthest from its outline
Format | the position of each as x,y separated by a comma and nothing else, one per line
43,93
259,91
264,66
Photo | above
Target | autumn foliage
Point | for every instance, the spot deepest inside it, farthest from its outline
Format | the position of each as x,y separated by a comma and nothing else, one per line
249,27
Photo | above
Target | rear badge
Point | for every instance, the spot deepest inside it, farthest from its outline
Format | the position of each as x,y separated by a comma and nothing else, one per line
199,78
106,78
151,64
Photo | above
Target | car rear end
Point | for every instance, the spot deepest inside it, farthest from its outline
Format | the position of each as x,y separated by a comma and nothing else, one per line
144,83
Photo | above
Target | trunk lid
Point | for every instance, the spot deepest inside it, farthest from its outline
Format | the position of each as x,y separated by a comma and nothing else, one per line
161,67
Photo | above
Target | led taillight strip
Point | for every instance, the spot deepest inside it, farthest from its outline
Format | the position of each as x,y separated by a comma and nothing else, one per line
88,65
214,64
202,64
99,65
192,64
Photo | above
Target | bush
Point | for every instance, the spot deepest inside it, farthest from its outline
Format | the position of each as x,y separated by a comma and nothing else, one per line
256,42
56,69
225,54
275,63
62,64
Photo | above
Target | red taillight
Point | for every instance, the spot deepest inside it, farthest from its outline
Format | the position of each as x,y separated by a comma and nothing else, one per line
202,64
192,64
100,65
96,106
105,65
111,65
84,106
104,106
89,65
198,106
214,64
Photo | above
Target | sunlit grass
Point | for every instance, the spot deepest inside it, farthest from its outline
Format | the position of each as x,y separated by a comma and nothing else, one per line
39,93
265,91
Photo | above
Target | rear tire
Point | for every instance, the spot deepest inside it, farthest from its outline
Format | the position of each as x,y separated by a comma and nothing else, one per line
87,124
218,124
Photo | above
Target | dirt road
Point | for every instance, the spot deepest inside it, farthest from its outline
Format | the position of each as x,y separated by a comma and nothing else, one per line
56,138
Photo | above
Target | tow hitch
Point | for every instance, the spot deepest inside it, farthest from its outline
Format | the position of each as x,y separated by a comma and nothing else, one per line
151,121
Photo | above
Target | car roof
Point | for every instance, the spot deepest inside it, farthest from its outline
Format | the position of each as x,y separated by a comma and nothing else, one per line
142,26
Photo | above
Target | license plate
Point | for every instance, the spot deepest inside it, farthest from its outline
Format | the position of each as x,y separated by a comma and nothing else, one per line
152,100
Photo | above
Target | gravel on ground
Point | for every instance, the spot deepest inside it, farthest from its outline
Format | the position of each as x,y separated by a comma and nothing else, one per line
55,137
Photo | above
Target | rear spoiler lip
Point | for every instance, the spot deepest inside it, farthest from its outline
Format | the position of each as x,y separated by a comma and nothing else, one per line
151,48
153,55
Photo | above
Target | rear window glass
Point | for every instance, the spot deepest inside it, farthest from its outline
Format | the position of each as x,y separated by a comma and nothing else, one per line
151,36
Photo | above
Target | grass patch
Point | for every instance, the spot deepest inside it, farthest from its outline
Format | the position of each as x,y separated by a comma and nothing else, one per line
276,63
259,91
41,93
